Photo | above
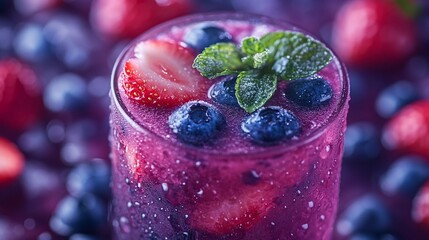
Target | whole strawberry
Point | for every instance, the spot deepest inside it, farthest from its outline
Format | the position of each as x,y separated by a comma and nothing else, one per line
408,131
129,18
20,95
374,33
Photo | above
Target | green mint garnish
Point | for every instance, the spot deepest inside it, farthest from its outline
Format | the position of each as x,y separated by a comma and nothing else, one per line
261,63
255,89
218,60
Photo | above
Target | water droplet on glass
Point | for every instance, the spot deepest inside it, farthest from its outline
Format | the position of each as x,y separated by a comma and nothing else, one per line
164,187
124,225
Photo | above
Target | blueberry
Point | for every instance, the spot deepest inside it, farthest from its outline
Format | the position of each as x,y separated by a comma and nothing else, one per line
362,142
405,176
367,214
203,36
90,177
71,40
223,92
85,214
196,122
310,93
394,97
30,44
270,125
66,92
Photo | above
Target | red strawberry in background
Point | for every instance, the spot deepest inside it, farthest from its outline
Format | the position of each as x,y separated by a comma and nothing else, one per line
408,130
371,33
20,96
420,210
11,161
129,18
162,75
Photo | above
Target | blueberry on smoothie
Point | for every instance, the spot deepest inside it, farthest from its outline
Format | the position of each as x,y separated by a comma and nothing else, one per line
196,122
271,125
203,36
223,92
310,93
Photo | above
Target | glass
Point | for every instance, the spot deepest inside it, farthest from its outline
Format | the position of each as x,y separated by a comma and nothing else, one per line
168,190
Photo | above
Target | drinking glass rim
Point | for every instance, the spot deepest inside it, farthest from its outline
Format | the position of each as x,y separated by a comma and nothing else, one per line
273,150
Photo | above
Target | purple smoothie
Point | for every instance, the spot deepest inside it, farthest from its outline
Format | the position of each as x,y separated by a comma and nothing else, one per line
230,188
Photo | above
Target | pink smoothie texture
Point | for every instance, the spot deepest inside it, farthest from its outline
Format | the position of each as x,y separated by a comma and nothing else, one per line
230,188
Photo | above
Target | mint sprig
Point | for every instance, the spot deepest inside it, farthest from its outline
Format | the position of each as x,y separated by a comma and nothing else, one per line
261,63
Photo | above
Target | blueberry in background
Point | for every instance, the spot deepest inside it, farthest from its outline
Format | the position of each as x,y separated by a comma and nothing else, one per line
85,214
66,92
196,122
71,40
405,176
203,36
270,125
90,177
30,44
361,142
367,214
394,97
310,93
223,92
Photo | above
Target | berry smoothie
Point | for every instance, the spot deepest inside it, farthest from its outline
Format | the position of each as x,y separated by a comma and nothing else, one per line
226,126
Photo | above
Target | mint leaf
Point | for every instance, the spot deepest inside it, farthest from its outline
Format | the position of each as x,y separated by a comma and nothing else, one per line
218,60
253,89
295,55
252,46
257,54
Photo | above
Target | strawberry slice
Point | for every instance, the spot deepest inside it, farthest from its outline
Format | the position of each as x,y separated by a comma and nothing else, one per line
11,161
241,209
161,75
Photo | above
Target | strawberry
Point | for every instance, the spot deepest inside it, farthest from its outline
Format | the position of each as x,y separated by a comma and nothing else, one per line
420,209
373,33
240,209
408,130
20,95
129,18
11,161
161,75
